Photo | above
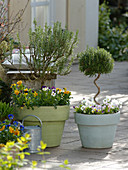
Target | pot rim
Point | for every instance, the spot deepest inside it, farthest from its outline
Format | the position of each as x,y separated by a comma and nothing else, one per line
98,114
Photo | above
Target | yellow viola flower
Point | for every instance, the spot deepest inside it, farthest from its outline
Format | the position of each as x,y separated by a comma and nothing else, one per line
17,132
11,130
66,92
35,94
59,90
12,85
16,92
19,82
26,90
65,89
2,128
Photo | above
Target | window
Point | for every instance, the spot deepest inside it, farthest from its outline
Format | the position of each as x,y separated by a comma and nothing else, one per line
41,10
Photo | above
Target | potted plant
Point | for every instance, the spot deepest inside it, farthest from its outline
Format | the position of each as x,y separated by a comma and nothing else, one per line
49,53
97,122
51,105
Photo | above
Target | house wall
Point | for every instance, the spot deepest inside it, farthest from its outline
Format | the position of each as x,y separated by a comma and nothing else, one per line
77,20
25,24
82,16
59,12
91,22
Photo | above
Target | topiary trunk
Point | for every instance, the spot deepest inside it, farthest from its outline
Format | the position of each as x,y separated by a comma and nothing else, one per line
97,88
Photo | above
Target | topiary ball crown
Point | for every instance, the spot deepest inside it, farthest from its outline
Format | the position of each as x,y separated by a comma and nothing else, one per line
95,61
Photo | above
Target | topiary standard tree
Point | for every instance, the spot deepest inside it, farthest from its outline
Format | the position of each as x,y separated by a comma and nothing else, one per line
94,62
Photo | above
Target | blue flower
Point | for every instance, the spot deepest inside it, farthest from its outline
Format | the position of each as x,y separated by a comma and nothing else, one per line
3,122
7,126
102,9
15,123
21,127
10,116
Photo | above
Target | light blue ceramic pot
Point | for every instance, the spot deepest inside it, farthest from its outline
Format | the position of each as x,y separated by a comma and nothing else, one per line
97,131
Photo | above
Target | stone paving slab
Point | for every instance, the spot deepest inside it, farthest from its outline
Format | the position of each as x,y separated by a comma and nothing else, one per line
115,158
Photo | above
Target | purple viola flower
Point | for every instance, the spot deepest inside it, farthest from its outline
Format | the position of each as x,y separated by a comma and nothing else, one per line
53,87
43,87
10,116
54,91
73,107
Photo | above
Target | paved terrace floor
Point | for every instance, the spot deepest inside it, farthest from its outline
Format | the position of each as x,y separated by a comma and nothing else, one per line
116,158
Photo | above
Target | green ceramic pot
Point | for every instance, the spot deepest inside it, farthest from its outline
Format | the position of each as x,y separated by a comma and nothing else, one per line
97,131
53,121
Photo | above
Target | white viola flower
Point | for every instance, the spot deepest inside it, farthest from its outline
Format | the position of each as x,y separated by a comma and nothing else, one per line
104,101
94,109
99,107
82,108
45,88
110,106
115,103
53,94
113,106
90,105
108,98
120,104
84,111
83,101
103,107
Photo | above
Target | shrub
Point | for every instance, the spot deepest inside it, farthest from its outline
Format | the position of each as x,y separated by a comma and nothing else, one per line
51,51
94,62
113,39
